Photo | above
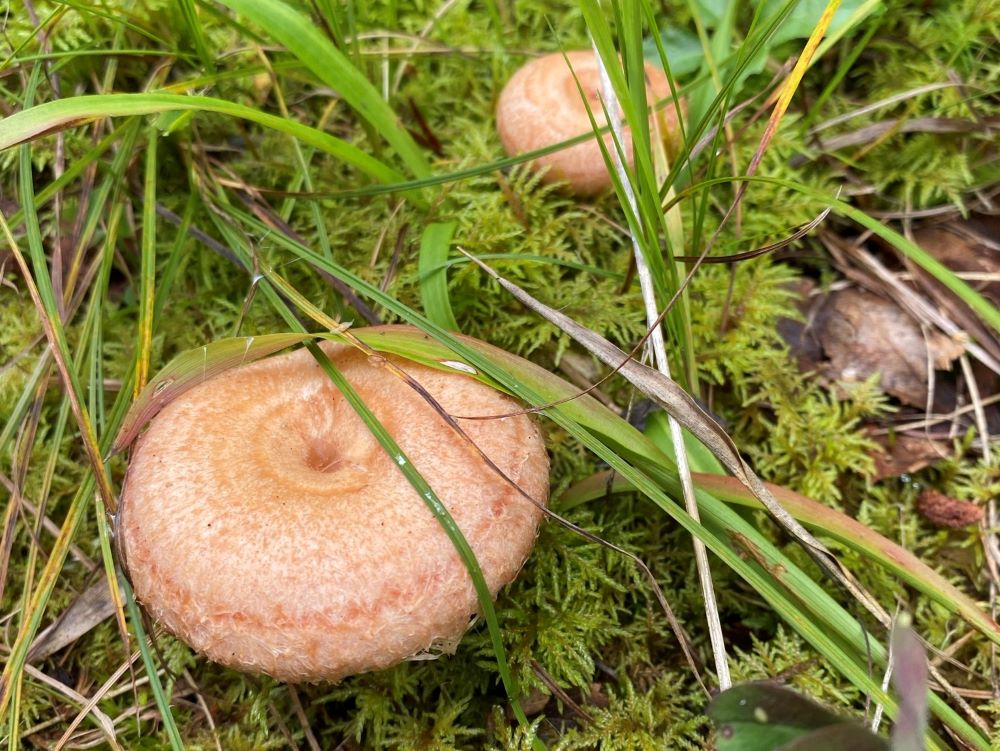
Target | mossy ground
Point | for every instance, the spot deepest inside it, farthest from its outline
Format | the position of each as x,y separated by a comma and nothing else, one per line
578,614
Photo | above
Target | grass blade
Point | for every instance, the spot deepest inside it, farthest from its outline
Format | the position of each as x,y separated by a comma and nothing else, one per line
434,246
147,270
190,15
162,701
825,625
303,39
411,473
48,117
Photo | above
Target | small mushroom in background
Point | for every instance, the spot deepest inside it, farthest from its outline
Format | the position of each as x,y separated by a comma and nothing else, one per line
264,525
541,106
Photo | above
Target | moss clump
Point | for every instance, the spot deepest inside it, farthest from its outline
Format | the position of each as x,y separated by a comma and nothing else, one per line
580,615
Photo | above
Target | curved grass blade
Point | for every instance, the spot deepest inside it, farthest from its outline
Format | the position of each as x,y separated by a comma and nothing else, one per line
868,542
434,245
49,117
828,521
196,366
301,36
441,513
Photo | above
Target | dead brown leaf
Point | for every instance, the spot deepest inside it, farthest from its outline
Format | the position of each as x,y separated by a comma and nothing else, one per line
863,334
535,702
86,611
966,247
800,335
905,454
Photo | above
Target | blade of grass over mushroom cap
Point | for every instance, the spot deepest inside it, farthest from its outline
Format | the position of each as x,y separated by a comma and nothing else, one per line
799,600
193,367
440,511
300,35
48,117
413,476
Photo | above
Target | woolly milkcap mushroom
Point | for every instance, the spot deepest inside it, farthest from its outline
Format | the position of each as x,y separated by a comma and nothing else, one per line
541,106
265,526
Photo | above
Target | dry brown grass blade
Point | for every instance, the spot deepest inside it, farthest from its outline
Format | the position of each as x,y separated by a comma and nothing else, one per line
86,611
79,410
103,721
879,130
86,426
669,395
98,695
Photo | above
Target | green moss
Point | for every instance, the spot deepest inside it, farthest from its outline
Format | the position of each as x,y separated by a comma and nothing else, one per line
579,613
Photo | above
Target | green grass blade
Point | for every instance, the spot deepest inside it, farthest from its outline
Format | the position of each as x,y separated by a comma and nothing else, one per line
190,14
159,695
147,270
434,246
440,511
48,117
39,284
302,38
73,171
829,522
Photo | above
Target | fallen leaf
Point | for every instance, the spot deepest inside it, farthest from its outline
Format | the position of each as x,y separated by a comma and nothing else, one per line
971,247
766,717
800,334
86,611
905,454
944,511
966,246
864,334
535,702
